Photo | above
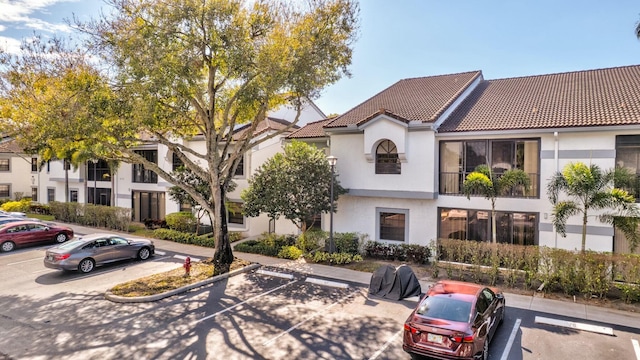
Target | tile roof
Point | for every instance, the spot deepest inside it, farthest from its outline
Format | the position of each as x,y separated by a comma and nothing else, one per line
311,130
265,125
598,97
417,99
10,146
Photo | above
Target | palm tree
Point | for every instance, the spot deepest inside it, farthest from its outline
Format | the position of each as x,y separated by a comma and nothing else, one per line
482,181
591,188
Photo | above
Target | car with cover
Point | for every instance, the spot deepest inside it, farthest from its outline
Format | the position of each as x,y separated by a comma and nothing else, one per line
87,252
27,233
454,320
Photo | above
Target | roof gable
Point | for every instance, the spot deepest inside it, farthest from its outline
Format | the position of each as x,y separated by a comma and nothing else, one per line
418,99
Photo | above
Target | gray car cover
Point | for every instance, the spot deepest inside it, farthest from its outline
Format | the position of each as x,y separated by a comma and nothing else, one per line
394,283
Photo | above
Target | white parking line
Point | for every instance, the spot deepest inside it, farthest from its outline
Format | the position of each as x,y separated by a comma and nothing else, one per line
636,348
386,345
274,273
161,253
574,325
269,342
25,261
327,283
512,337
244,302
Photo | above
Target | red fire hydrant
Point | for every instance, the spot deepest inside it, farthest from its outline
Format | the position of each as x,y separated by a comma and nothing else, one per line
187,266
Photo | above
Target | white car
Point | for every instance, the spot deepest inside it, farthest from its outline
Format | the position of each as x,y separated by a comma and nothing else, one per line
12,214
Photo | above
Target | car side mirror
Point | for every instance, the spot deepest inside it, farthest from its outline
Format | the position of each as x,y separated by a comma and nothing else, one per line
46,228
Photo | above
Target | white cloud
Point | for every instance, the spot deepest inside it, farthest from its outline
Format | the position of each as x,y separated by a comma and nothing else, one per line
9,45
18,12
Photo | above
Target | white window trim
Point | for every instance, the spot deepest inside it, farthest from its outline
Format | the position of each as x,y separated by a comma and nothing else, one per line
397,211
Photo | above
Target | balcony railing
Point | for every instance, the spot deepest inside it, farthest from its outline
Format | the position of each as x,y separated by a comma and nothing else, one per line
451,184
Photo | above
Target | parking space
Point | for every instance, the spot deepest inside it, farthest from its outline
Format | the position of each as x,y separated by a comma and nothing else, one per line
269,313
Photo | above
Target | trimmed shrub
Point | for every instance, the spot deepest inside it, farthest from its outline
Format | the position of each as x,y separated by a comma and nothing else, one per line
335,258
20,206
290,252
176,236
181,221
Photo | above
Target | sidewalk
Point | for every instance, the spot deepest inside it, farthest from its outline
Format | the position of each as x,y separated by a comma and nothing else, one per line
534,303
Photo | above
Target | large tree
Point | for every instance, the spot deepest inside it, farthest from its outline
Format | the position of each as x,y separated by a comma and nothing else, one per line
295,184
483,181
589,188
190,72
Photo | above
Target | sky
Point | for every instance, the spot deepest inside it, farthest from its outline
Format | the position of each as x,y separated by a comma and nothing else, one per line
414,38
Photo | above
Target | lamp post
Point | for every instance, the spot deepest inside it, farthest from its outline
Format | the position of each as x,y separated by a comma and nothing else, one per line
332,163
95,179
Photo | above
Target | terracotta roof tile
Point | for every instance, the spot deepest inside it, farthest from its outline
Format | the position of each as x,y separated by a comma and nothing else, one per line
265,125
311,130
417,99
10,146
574,99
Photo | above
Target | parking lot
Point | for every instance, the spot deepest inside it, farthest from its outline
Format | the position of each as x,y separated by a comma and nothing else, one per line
268,313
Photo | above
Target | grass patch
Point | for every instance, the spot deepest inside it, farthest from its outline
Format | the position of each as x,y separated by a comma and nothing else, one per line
171,280
42,217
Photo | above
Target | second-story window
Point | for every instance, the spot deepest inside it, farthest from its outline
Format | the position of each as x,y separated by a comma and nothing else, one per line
387,161
240,168
142,175
98,171
34,164
175,162
4,164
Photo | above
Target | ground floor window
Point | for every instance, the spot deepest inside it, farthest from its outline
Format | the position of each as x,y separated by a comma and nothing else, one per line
34,193
148,205
5,191
99,196
314,223
392,224
234,213
51,194
73,195
467,224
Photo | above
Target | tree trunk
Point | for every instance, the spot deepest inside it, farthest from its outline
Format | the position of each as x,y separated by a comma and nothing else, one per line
584,231
493,221
223,257
66,181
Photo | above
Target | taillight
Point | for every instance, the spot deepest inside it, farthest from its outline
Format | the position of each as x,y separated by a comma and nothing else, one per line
59,257
463,339
411,329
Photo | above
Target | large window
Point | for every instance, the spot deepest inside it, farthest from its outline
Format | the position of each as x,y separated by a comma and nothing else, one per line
511,227
142,175
387,161
98,171
392,224
628,156
148,205
4,165
99,196
5,191
460,158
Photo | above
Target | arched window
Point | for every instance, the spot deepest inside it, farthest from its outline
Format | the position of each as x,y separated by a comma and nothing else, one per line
387,161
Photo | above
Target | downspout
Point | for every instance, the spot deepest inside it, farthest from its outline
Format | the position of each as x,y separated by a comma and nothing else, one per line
556,157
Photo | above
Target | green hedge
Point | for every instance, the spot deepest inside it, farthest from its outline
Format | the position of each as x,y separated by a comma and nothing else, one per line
181,221
109,217
573,272
401,252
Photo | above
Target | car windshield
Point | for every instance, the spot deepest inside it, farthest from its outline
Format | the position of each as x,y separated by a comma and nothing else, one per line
446,308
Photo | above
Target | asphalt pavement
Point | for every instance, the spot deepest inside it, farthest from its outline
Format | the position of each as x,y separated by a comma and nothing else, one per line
534,302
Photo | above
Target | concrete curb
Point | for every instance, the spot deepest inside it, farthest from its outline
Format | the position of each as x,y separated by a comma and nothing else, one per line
139,299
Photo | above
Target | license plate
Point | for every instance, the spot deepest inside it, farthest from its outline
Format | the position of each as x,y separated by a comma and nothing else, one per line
434,338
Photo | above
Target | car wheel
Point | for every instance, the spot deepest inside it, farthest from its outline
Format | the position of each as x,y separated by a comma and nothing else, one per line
144,253
8,246
86,265
60,238
485,350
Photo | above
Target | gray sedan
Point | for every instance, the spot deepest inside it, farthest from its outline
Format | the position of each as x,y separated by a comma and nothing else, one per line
87,252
